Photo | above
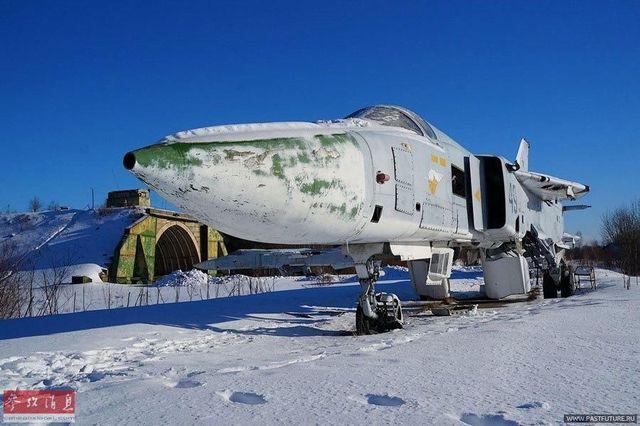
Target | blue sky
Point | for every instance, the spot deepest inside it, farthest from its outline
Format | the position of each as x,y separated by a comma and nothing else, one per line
83,82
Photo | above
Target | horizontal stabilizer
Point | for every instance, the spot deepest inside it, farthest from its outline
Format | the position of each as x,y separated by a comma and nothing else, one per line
550,188
568,241
576,207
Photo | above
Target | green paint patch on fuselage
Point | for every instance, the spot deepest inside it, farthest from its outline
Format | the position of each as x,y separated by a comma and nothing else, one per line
266,144
278,144
277,168
167,156
342,209
304,158
180,155
319,185
335,139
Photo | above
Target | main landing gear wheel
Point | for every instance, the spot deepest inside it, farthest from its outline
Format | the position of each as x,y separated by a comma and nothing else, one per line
363,324
377,312
566,285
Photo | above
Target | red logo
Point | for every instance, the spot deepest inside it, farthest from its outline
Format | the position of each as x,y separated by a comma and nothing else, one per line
22,406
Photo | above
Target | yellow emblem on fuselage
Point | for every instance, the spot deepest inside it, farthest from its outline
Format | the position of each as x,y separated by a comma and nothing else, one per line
433,181
433,186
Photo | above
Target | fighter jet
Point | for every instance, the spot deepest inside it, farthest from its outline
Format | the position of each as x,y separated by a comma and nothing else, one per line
381,182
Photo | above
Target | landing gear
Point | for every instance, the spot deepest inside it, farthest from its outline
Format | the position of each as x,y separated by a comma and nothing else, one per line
363,324
376,312
566,283
379,312
549,289
559,280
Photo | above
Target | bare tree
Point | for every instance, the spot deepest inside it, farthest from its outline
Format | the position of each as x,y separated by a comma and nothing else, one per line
592,254
35,204
621,232
11,282
52,281
53,205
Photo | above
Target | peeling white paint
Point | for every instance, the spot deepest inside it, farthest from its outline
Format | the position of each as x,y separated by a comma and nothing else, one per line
309,185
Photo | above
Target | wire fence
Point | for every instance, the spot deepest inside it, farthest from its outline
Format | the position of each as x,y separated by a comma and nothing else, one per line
69,298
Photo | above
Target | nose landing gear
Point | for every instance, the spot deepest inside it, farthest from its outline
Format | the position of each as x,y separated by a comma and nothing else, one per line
376,312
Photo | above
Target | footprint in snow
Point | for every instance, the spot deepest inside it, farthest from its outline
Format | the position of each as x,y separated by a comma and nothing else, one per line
384,400
95,376
184,384
532,405
487,420
249,398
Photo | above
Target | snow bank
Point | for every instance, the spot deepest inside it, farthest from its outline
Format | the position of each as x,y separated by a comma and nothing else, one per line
183,279
64,274
50,239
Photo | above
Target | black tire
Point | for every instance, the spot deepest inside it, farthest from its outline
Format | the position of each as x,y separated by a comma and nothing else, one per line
566,288
400,316
549,289
363,324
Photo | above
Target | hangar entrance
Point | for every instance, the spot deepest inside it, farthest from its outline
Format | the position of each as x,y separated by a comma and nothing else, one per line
161,242
174,250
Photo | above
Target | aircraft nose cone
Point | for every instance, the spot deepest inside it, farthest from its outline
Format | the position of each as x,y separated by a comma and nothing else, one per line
257,188
156,165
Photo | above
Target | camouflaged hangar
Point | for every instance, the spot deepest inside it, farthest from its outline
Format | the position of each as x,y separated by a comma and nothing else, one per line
160,242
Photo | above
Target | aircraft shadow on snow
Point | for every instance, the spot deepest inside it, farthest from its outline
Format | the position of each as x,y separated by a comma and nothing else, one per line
210,314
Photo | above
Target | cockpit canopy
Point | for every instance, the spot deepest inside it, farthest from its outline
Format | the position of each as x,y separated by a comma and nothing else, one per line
395,116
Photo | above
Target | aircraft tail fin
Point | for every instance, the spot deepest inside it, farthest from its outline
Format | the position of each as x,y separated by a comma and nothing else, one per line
523,155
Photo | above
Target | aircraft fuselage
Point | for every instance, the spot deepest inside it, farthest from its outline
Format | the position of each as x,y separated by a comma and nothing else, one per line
305,183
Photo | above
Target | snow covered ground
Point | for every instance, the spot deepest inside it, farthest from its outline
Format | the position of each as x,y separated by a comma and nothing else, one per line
290,357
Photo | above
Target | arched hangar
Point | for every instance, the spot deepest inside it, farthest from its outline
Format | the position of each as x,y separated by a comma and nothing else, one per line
161,242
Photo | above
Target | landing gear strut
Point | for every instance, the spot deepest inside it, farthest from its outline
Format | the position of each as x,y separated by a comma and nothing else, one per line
376,312
549,289
567,288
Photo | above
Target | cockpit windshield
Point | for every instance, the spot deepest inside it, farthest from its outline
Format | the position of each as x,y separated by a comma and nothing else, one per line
394,116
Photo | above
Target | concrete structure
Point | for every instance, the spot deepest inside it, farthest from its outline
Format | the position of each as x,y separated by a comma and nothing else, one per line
129,198
161,242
